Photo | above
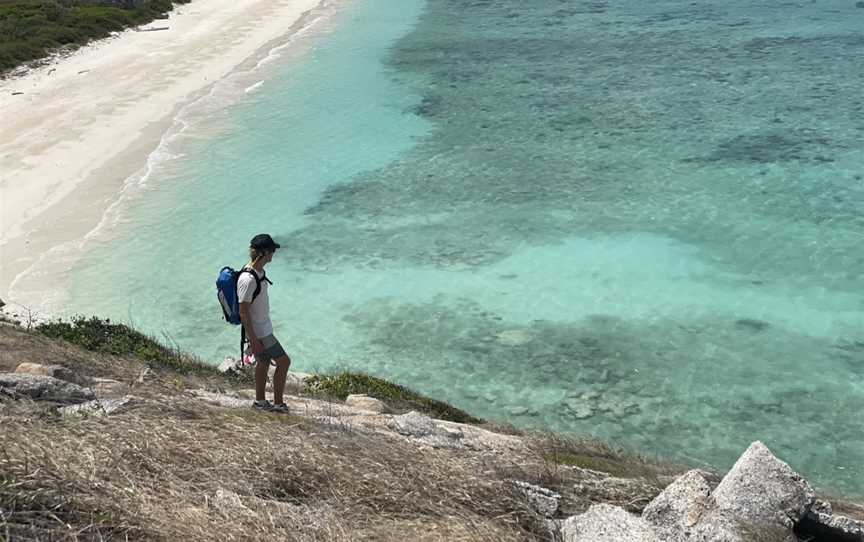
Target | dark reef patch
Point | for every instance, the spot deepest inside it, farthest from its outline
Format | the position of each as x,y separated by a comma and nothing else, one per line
539,136
770,147
752,324
768,44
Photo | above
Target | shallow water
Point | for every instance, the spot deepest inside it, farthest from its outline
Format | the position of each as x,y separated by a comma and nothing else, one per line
638,222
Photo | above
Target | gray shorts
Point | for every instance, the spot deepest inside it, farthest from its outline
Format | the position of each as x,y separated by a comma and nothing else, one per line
272,349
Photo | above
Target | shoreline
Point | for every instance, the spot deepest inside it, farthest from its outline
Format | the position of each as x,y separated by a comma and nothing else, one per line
82,127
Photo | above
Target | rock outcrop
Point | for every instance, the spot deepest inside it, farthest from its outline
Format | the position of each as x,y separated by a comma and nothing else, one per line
760,498
43,388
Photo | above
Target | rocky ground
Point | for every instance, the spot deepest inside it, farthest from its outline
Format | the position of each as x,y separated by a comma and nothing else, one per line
102,447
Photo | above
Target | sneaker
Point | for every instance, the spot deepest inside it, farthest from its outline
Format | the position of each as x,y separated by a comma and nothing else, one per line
263,405
281,408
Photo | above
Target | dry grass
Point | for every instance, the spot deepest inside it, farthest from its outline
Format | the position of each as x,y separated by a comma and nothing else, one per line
149,473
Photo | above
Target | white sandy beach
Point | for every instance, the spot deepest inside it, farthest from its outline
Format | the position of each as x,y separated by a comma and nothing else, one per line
72,132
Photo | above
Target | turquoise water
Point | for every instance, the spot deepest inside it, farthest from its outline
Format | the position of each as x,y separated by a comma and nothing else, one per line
635,221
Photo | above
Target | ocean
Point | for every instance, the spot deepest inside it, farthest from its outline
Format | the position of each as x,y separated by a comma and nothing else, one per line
638,221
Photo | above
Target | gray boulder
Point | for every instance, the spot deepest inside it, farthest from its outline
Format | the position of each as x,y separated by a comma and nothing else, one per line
675,512
606,523
43,388
763,491
760,498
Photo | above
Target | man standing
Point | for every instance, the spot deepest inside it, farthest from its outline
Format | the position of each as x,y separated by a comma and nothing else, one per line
252,294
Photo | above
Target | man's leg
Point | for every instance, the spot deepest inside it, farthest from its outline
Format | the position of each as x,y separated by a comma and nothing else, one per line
279,375
261,368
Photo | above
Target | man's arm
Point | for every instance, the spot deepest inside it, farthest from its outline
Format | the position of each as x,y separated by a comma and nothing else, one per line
246,319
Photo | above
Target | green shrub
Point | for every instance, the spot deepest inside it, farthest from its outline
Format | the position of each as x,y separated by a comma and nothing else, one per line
106,337
32,29
341,385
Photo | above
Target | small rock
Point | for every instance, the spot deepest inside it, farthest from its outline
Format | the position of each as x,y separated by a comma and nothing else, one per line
296,378
57,371
451,432
413,424
98,407
44,388
230,366
364,402
544,501
821,506
227,502
607,523
859,4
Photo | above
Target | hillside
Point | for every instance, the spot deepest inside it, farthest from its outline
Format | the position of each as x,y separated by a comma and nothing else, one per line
173,452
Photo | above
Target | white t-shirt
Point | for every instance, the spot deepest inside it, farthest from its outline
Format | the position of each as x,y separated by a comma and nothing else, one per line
260,308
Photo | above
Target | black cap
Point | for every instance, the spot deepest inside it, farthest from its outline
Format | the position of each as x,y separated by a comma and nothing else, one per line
262,241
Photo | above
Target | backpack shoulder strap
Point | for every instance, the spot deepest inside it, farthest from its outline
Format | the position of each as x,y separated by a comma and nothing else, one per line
257,280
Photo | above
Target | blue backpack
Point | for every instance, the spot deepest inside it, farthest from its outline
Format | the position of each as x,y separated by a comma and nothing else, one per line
226,292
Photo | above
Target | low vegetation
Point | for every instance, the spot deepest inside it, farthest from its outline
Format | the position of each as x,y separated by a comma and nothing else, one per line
106,337
33,29
343,384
